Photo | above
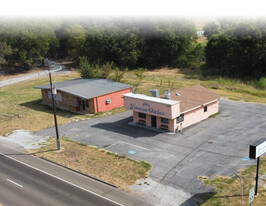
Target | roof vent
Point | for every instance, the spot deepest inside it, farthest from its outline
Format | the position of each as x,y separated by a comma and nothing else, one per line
167,94
177,94
154,92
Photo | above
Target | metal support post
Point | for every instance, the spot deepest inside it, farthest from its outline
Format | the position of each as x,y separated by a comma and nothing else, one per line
257,175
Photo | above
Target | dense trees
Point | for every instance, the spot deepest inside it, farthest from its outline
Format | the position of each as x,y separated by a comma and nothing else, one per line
235,48
30,41
210,29
238,50
130,43
5,50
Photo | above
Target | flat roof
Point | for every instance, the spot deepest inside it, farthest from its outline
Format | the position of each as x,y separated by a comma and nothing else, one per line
152,99
87,88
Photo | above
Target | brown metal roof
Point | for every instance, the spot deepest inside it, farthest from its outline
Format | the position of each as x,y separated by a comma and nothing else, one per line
192,97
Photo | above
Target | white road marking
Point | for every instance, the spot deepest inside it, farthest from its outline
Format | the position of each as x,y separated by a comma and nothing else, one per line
128,144
62,179
14,182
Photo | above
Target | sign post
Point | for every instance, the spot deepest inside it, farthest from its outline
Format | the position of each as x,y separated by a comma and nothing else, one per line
255,151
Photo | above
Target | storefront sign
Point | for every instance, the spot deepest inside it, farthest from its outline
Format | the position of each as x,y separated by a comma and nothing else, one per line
154,106
180,118
147,109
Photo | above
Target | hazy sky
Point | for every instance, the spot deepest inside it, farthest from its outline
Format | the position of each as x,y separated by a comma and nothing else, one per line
133,7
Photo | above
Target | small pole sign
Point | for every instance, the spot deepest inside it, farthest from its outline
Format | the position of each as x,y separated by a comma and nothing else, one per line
251,195
255,151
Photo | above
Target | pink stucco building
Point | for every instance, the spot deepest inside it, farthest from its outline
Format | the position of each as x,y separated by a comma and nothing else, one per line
175,111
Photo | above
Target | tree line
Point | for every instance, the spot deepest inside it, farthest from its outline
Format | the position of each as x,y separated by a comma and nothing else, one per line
131,43
234,48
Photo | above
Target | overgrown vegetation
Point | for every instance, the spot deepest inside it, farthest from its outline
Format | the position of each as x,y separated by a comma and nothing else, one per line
174,79
115,169
105,71
260,84
228,189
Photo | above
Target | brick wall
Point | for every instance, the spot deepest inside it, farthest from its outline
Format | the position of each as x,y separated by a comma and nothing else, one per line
64,102
91,108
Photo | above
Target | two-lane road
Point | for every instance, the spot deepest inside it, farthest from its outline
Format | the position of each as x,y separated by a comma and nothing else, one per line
25,180
23,185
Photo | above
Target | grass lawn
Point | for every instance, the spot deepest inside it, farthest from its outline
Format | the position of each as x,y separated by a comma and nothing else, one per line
20,107
102,164
228,189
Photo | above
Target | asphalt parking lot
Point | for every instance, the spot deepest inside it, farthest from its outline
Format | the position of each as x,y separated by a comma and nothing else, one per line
216,146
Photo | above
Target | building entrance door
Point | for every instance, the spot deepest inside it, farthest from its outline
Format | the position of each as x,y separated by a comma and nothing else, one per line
153,121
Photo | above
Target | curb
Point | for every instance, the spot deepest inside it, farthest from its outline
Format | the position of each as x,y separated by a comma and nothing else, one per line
73,170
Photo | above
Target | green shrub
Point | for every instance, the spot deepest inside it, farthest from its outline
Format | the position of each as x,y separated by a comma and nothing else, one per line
146,165
261,83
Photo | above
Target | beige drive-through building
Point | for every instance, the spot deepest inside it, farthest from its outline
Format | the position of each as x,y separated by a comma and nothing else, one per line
175,110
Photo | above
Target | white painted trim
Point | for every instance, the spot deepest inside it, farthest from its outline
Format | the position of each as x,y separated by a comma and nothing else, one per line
151,99
62,180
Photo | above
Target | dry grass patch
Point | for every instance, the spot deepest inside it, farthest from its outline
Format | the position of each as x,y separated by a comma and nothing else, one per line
175,79
20,107
102,164
228,190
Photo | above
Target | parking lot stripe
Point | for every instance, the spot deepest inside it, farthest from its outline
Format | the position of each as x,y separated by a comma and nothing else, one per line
129,144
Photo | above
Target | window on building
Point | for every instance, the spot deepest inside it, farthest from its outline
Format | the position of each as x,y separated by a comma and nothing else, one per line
164,120
180,118
142,115
205,109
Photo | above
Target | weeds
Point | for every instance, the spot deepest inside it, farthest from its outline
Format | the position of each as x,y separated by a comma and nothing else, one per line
105,165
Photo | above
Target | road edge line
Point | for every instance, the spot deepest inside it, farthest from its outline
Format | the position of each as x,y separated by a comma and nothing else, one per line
62,179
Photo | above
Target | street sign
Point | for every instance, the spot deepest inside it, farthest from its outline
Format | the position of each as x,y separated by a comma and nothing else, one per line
251,195
257,149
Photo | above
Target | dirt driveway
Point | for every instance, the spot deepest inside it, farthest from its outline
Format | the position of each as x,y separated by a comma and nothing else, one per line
217,146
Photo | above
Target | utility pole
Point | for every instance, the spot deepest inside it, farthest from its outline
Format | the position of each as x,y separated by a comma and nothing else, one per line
53,92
